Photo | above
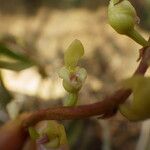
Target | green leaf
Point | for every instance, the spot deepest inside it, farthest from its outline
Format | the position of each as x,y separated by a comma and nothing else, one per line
16,66
122,17
4,50
33,133
5,96
13,60
139,108
72,55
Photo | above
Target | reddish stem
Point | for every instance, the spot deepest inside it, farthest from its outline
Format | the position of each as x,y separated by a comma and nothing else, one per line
104,108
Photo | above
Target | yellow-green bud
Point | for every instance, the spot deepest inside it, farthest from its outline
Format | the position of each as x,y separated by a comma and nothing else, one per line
122,17
52,136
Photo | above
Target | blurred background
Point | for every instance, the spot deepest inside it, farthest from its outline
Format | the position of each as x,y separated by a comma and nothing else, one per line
41,30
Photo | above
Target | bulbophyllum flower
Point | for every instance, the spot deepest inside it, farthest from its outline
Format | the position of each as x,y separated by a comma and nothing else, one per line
73,76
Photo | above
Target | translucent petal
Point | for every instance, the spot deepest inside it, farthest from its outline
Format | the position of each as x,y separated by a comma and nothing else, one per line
82,74
64,73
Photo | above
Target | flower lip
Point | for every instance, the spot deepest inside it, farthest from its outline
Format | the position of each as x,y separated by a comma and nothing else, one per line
42,140
73,77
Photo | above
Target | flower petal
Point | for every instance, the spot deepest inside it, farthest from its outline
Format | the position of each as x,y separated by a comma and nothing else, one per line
74,52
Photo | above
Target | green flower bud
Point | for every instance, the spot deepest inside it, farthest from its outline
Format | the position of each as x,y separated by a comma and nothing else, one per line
122,17
56,135
52,135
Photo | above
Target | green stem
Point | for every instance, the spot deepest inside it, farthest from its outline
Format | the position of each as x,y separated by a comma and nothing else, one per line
138,38
71,99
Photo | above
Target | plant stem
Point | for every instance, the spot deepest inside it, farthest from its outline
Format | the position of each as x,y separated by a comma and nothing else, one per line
138,38
101,108
71,99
